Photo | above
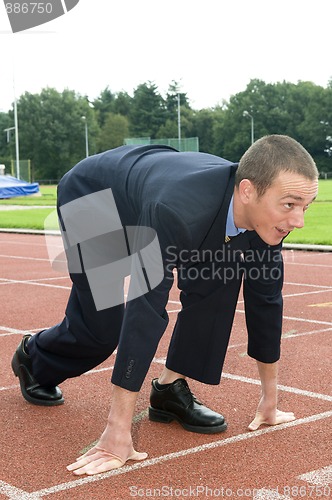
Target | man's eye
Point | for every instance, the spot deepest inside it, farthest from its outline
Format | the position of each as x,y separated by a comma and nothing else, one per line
289,205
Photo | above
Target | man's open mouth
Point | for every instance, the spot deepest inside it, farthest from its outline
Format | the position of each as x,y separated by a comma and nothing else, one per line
283,232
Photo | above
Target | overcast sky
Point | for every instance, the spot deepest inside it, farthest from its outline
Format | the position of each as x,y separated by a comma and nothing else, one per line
213,47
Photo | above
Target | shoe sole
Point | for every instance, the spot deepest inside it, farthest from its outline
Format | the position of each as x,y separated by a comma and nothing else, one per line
17,368
165,417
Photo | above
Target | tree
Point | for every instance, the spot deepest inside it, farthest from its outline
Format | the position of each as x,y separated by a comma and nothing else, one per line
104,105
114,131
52,128
315,127
52,131
122,104
148,111
203,129
173,97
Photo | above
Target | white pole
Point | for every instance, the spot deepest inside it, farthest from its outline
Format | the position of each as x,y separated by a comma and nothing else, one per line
86,136
245,113
86,139
179,120
16,130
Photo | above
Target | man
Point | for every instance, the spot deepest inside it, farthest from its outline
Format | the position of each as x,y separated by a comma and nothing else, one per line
219,225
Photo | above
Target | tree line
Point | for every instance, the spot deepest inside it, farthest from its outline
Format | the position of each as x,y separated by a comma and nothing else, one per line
53,125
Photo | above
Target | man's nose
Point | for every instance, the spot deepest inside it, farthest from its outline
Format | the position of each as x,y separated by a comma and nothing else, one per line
297,218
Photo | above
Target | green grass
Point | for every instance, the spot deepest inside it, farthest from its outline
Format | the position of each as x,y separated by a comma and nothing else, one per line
28,219
317,229
325,190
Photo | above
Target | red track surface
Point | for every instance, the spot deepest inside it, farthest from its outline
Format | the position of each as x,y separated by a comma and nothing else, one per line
271,463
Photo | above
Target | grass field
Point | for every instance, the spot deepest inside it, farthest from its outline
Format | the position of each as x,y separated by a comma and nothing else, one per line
317,230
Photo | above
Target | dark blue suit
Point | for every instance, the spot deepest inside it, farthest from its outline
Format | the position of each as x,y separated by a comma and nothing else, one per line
184,197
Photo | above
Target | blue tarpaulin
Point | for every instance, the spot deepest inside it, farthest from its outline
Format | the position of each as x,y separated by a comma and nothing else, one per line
11,187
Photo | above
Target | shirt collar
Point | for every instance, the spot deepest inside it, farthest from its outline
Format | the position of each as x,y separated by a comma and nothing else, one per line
231,229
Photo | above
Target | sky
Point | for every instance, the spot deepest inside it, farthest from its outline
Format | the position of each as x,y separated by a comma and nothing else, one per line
213,48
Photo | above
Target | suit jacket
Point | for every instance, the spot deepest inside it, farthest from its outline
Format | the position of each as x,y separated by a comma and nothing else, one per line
185,198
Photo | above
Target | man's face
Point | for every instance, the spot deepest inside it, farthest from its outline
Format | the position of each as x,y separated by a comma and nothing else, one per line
282,206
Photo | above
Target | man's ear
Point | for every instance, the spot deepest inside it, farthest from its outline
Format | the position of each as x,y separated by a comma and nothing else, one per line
246,191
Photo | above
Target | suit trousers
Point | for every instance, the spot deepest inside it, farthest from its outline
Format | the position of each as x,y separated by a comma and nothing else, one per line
85,338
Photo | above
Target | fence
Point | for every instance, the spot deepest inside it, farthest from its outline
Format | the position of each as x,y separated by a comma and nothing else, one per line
24,171
186,144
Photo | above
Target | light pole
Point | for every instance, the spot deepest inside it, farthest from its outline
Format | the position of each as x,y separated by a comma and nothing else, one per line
246,113
179,120
86,136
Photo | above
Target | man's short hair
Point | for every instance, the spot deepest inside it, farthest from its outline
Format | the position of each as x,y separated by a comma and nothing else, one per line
269,156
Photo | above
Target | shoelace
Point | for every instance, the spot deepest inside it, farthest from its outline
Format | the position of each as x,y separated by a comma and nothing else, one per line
190,396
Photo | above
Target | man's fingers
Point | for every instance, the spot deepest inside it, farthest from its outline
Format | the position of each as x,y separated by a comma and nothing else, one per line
101,462
281,417
81,462
97,466
254,425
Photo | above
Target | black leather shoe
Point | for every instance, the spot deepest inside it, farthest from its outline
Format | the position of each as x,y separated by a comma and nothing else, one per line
177,402
32,391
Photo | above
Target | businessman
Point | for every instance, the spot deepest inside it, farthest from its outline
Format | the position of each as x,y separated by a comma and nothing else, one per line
216,223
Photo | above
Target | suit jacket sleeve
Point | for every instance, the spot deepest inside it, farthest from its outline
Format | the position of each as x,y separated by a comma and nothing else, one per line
146,318
262,288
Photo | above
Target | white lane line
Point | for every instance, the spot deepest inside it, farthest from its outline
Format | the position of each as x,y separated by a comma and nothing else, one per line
9,387
285,388
319,477
181,453
303,334
22,243
329,323
14,331
50,278
34,283
14,493
99,370
287,295
21,257
307,265
315,321
37,280
306,284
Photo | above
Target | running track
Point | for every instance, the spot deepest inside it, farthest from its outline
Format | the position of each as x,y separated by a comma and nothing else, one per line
288,461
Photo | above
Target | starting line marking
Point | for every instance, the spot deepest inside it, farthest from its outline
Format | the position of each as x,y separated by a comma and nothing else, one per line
323,304
15,493
320,477
164,458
